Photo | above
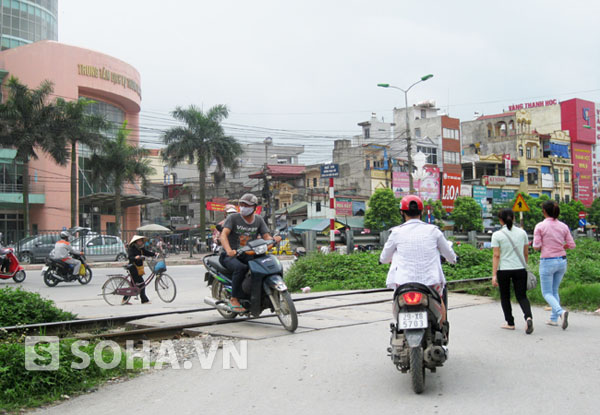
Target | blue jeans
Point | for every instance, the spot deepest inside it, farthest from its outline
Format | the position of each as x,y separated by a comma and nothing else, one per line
551,274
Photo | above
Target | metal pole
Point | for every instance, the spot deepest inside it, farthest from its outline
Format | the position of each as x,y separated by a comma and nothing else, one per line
408,146
331,215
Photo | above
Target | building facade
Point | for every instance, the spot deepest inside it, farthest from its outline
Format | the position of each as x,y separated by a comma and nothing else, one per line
23,22
114,86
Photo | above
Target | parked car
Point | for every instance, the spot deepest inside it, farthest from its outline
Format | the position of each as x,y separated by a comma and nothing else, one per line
36,248
101,247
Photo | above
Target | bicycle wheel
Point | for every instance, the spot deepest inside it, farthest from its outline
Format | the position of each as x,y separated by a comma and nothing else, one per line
165,287
110,287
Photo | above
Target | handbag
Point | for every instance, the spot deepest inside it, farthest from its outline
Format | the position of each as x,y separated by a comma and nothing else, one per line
531,278
140,270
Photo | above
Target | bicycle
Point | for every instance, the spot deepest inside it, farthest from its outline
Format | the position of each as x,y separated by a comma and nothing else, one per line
119,286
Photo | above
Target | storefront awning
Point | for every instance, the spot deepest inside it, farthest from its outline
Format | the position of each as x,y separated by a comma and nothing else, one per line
108,199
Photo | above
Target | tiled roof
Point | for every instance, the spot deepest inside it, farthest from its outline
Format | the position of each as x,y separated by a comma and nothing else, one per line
281,170
504,114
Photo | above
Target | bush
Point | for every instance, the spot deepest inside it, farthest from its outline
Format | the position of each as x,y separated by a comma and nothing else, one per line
337,272
26,388
22,307
472,263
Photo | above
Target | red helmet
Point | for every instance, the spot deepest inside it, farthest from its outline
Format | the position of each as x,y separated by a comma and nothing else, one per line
405,202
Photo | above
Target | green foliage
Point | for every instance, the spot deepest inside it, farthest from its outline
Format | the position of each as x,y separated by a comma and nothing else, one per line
594,213
337,272
383,211
27,388
19,307
569,213
439,213
473,263
467,214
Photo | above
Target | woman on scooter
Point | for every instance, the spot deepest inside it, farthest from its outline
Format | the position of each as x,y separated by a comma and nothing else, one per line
135,252
238,230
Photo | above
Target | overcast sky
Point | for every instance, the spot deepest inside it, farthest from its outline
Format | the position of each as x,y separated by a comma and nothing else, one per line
305,72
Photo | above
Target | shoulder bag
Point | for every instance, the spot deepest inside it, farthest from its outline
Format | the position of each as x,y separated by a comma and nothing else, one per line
531,278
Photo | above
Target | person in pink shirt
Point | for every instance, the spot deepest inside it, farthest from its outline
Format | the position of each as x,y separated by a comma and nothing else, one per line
552,237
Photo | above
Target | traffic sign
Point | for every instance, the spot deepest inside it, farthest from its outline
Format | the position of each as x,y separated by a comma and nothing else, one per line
582,215
330,170
582,222
520,204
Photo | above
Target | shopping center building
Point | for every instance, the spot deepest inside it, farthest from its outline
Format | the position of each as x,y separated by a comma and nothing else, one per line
114,86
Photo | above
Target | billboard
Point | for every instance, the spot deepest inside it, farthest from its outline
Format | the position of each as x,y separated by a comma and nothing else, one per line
579,117
450,190
427,187
343,207
582,173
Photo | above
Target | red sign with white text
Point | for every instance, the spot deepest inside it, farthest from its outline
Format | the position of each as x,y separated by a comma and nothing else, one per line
450,190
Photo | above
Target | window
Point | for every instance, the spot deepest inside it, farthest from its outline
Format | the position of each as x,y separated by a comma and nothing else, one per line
520,151
567,198
367,133
521,176
417,132
367,164
532,176
318,209
528,152
430,152
566,176
294,221
450,133
534,195
534,148
423,114
557,197
556,176
314,182
451,157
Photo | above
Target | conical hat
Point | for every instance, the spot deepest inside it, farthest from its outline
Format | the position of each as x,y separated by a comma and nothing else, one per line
137,238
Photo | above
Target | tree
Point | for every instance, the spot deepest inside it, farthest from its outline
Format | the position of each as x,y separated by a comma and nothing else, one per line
28,123
467,214
201,141
383,211
594,213
534,215
439,213
118,163
78,127
569,213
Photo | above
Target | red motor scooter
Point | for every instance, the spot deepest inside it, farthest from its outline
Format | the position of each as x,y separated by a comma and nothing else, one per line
10,267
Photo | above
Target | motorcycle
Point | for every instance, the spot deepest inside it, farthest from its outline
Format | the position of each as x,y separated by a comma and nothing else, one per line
56,270
419,337
263,286
10,266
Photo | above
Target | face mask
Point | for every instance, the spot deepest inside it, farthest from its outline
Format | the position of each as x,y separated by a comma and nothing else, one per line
246,211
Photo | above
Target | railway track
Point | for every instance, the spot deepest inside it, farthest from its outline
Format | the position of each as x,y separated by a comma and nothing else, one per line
112,327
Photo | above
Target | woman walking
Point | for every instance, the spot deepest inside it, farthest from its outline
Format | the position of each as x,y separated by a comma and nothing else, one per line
551,236
510,246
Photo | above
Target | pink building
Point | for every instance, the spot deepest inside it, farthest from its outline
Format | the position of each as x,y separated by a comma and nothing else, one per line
75,72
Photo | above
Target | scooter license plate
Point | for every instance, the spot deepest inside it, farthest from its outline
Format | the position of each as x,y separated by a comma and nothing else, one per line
412,320
44,269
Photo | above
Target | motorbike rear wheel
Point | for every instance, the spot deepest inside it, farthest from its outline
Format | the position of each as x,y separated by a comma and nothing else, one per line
49,279
288,317
417,369
219,293
111,286
84,279
19,276
165,287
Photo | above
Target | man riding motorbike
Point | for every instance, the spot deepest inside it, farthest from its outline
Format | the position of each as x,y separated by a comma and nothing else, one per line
63,250
238,230
414,249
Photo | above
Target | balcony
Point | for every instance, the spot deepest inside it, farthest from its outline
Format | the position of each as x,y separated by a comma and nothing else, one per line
13,193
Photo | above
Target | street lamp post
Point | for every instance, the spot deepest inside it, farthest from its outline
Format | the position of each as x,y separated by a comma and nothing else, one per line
269,141
408,138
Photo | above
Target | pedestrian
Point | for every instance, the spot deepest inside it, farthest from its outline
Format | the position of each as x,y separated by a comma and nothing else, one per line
511,249
552,236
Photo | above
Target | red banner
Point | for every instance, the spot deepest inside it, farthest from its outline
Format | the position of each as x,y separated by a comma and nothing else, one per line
450,190
217,207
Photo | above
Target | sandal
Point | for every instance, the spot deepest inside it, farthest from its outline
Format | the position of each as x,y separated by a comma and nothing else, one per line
237,308
506,326
552,323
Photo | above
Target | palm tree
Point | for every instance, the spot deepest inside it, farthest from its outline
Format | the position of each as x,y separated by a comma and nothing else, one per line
201,141
118,163
79,128
28,123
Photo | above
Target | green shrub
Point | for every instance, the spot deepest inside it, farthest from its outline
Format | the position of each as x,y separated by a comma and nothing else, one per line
26,388
23,307
337,272
472,263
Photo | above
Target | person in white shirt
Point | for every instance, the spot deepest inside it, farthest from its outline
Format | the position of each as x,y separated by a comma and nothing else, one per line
511,249
414,250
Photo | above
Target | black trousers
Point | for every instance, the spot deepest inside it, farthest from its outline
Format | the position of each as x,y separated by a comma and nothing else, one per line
519,280
139,281
239,268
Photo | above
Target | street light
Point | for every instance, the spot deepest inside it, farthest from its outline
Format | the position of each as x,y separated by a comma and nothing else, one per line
408,139
269,141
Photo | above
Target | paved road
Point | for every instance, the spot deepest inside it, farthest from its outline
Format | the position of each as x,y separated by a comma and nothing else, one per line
346,370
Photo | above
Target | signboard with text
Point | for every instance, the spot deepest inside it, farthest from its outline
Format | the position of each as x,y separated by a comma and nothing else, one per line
450,190
428,187
330,170
343,207
500,181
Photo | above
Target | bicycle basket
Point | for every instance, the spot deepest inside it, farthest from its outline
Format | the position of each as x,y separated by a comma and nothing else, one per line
159,266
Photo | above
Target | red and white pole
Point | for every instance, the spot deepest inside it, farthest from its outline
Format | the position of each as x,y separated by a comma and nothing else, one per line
331,216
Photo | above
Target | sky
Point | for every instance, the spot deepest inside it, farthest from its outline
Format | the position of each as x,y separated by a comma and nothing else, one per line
306,72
